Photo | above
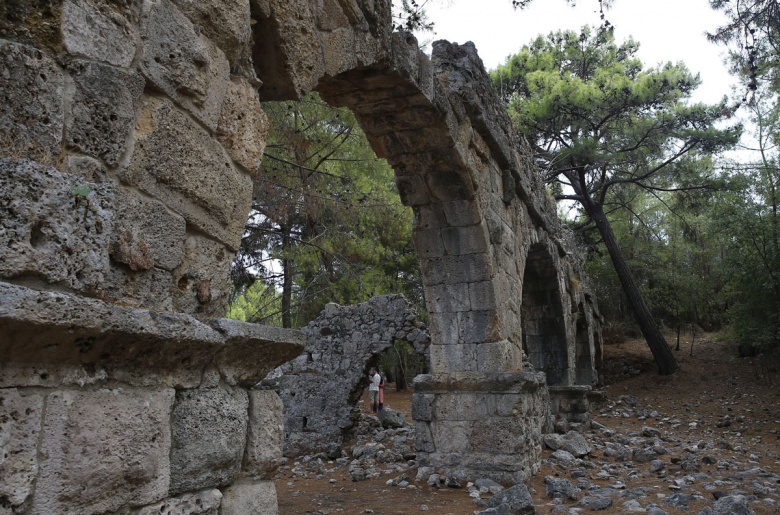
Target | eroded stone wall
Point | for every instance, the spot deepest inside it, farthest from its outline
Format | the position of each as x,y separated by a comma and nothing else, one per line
152,144
129,135
321,387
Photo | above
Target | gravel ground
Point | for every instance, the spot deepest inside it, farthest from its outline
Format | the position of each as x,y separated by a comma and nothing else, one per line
705,440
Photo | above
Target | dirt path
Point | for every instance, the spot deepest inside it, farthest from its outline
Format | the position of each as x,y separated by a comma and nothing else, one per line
718,405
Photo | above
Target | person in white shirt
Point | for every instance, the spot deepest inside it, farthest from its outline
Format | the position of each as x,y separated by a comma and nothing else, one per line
373,389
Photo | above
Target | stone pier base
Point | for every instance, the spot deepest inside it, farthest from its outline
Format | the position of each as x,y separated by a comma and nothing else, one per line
570,407
473,425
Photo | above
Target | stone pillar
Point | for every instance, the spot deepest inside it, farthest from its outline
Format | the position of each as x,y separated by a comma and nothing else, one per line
481,425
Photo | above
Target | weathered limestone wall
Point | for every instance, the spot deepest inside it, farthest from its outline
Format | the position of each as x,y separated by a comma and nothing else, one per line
106,407
321,387
152,141
501,278
476,425
129,135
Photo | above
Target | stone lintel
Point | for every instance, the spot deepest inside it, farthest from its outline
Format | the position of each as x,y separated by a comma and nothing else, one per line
494,382
57,328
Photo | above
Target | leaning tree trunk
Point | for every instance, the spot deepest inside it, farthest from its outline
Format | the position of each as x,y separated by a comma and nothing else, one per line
664,358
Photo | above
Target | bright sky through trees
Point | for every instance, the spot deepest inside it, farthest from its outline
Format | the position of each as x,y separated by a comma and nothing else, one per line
668,30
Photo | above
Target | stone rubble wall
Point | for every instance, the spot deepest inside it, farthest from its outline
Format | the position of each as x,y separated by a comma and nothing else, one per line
321,387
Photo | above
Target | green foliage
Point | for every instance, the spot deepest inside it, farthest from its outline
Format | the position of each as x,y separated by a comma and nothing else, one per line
603,127
747,220
327,222
589,106
259,303
754,27
400,363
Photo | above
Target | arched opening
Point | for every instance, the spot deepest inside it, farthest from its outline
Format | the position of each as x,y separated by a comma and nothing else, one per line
584,357
327,224
544,332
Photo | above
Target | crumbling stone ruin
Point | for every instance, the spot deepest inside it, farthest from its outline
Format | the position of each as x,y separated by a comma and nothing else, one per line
321,387
129,135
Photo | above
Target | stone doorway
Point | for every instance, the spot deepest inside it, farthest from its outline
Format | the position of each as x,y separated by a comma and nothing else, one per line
544,333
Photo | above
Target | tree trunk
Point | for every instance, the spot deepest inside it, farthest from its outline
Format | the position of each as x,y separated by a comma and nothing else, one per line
287,279
664,358
400,378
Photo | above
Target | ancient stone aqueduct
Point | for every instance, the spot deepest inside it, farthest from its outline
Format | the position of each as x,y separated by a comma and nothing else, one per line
130,132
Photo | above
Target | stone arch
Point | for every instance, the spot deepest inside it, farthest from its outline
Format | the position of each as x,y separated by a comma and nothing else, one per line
104,291
321,387
544,329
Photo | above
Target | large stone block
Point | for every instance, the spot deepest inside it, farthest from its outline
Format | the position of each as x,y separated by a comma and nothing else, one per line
486,357
264,434
32,112
444,328
203,277
483,294
427,243
250,499
56,227
180,164
209,427
103,450
459,241
286,29
20,429
447,298
334,14
145,226
103,109
149,289
272,346
56,328
182,63
338,50
205,502
456,406
225,22
60,229
500,436
462,213
243,126
453,357
480,327
422,407
457,269
423,437
102,31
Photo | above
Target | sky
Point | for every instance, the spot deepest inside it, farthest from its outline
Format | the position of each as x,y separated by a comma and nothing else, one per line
668,30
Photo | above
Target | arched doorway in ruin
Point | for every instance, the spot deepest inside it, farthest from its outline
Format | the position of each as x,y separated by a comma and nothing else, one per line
544,331
320,389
